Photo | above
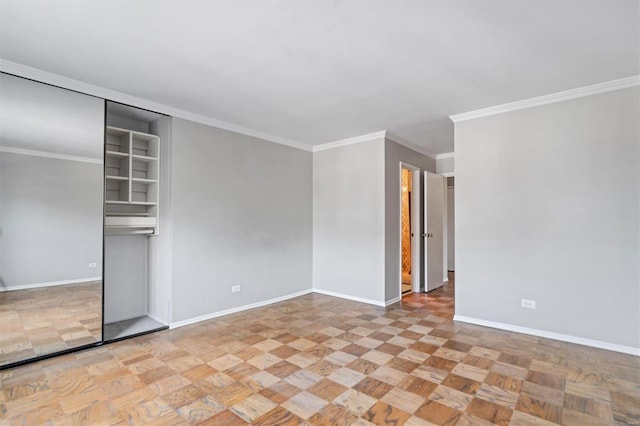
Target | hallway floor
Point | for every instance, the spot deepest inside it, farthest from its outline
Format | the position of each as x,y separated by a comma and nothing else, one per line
319,360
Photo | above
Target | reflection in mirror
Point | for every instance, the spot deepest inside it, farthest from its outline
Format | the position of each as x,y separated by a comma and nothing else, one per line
51,219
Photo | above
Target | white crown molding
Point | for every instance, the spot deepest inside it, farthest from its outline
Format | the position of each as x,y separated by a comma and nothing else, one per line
445,155
410,145
46,154
112,95
580,92
349,141
551,335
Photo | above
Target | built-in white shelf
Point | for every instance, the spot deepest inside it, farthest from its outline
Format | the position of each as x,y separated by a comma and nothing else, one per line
131,179
143,158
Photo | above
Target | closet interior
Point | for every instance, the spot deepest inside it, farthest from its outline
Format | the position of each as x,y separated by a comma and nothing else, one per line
133,144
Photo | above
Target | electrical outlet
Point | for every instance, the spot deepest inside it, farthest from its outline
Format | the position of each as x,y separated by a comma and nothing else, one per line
92,265
236,288
531,304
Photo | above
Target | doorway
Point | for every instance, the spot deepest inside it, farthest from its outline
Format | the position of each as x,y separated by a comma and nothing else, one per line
409,229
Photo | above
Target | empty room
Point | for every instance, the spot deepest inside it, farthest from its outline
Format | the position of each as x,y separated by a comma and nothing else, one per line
348,212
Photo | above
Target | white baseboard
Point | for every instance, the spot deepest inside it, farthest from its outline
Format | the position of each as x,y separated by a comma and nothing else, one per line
346,296
238,309
551,335
392,301
49,284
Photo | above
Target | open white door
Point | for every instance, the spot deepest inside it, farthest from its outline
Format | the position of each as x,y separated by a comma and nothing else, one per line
434,226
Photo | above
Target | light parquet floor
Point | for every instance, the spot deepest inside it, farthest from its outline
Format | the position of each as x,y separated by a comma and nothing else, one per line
43,320
318,360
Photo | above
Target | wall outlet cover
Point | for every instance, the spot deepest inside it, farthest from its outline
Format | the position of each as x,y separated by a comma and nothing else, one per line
526,303
236,288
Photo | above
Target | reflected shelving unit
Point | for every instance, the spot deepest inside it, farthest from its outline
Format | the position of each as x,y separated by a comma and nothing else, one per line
131,181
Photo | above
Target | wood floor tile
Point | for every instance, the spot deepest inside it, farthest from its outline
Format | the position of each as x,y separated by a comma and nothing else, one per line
461,384
625,407
332,415
389,375
327,389
253,407
405,401
280,392
498,395
346,377
451,397
523,419
183,396
417,386
539,408
489,411
226,418
570,417
304,404
382,413
438,414
356,402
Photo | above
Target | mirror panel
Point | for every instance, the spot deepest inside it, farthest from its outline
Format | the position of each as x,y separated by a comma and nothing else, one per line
51,219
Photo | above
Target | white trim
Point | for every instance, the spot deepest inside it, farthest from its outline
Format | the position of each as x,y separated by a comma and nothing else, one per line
579,92
447,174
238,309
392,301
90,89
445,155
49,284
349,141
11,150
347,297
410,145
551,335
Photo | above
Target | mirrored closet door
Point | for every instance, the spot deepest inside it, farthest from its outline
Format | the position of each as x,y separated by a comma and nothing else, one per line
51,219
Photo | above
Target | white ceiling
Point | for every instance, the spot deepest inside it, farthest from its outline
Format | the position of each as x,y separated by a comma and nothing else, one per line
315,71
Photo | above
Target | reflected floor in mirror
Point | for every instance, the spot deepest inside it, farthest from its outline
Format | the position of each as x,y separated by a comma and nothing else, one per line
40,321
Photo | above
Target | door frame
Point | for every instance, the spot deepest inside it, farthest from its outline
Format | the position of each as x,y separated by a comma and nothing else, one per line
416,254
445,231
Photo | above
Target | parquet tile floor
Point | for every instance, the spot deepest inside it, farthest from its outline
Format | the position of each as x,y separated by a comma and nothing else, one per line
318,360
50,319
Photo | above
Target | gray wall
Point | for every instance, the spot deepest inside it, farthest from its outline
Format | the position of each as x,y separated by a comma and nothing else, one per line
445,165
394,154
451,223
241,215
125,277
547,208
50,219
348,220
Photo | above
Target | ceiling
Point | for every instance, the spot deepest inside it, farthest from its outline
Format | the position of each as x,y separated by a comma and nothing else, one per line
316,71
